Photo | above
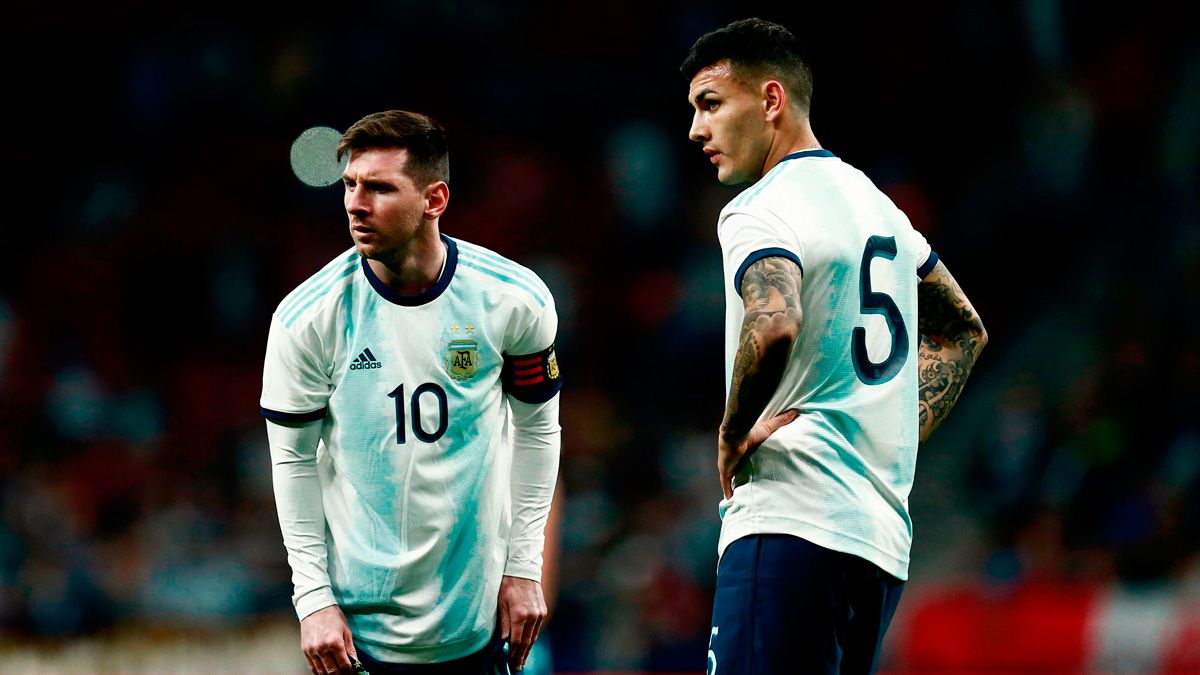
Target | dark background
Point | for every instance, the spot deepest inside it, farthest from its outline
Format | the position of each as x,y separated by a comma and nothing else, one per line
1047,149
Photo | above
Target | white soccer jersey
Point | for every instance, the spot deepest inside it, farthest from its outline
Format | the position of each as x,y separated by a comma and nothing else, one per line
840,475
416,446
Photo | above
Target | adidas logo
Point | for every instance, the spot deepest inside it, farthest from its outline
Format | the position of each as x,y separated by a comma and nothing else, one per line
366,360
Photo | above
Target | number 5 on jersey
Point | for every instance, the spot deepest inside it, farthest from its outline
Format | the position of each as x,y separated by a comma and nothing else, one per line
874,302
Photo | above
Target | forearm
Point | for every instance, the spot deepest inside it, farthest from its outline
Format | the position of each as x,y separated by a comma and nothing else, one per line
943,368
301,514
952,336
761,359
536,448
773,318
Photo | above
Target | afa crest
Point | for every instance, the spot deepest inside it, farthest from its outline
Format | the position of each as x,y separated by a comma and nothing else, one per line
552,365
462,359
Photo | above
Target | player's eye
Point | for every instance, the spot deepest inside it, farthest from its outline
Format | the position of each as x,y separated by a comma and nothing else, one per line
711,104
349,184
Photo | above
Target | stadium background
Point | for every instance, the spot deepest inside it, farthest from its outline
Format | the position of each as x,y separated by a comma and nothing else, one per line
1047,148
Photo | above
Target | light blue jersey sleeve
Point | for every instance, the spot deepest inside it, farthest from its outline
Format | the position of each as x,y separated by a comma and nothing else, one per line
747,237
296,386
534,329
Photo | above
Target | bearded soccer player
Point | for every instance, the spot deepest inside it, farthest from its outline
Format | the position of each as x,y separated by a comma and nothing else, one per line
847,343
411,392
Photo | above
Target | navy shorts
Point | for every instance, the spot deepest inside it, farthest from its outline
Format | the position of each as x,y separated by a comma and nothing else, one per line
491,660
786,605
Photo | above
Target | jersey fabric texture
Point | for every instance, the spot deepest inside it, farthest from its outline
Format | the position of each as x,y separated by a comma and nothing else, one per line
840,475
416,442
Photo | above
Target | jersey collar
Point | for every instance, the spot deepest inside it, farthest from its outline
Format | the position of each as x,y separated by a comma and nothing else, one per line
819,152
426,296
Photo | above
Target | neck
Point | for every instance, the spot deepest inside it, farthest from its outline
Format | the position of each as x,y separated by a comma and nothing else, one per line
414,268
785,142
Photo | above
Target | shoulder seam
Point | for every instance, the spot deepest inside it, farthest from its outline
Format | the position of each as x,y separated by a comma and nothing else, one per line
317,279
498,261
327,289
481,267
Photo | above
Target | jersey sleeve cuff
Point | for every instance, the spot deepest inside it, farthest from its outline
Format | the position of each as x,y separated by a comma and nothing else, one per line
278,416
523,570
311,601
759,255
931,262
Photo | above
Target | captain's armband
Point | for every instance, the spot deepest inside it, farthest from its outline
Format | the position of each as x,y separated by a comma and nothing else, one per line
532,378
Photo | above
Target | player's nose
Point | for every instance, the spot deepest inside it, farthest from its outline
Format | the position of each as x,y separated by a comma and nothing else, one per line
698,132
356,205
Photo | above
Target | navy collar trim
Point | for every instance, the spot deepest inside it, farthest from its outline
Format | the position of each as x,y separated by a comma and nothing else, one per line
819,152
426,296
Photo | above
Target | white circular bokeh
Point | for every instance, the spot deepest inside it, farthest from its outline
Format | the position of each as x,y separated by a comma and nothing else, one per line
314,157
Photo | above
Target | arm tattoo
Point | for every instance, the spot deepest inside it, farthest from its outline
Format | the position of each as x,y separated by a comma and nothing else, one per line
771,293
951,338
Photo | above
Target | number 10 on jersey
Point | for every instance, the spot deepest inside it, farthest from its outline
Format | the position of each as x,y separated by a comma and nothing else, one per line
413,406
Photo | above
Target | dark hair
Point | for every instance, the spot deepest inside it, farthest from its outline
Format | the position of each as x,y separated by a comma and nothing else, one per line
425,140
755,48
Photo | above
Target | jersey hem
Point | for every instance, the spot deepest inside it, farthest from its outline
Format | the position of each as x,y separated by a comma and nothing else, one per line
535,397
416,654
930,262
759,255
280,416
743,527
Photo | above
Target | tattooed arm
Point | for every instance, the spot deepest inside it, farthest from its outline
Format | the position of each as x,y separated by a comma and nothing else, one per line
951,338
771,293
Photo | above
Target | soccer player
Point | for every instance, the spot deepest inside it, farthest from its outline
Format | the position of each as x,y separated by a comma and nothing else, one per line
847,342
411,392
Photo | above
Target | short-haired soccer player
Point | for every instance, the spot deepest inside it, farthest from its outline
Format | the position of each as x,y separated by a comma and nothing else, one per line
847,343
411,392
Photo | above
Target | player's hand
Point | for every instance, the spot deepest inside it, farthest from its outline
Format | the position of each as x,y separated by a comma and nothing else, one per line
326,642
522,611
731,452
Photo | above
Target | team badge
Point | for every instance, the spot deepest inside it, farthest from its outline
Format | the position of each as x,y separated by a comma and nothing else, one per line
552,366
462,359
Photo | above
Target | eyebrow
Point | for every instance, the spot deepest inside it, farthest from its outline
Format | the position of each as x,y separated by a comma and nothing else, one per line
701,94
363,179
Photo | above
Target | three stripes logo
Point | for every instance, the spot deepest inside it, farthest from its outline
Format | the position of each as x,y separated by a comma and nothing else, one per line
365,361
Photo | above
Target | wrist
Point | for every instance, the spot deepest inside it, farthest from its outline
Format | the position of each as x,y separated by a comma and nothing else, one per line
313,601
526,571
730,435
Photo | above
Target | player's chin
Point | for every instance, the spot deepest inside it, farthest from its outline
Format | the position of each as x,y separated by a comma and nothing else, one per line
370,250
727,176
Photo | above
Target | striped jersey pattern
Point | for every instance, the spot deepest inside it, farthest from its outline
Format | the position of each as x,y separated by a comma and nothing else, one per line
840,475
415,442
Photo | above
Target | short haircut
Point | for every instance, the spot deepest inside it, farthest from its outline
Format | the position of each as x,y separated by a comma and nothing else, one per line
423,138
755,48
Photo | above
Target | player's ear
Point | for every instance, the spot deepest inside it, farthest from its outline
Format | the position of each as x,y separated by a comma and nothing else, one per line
437,198
774,99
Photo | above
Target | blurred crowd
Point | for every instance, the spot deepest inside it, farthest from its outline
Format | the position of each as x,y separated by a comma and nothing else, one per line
1049,150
